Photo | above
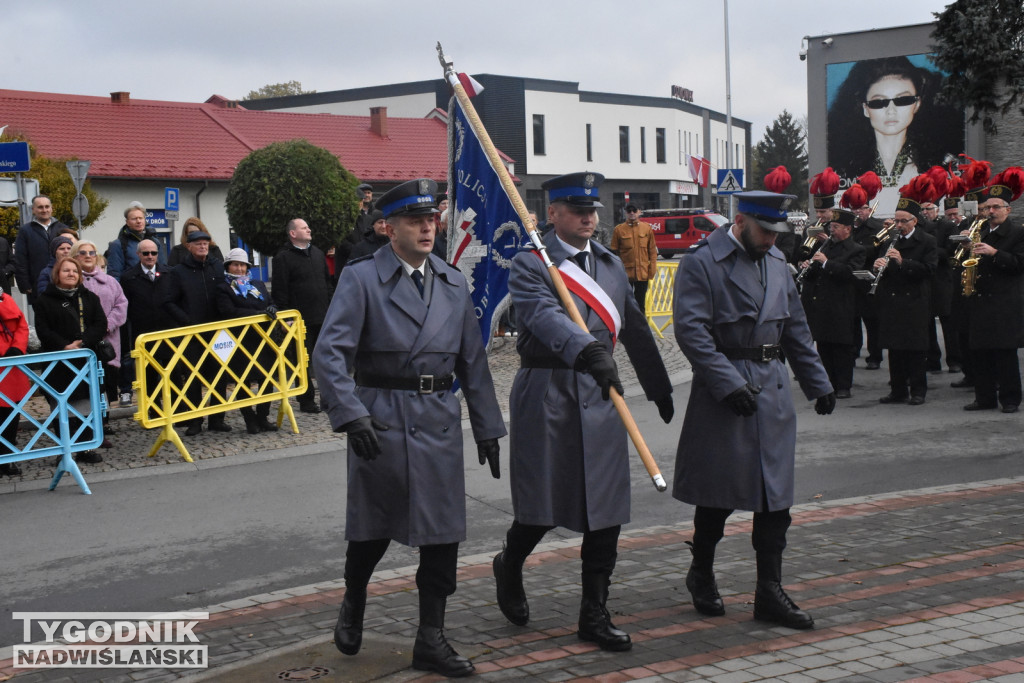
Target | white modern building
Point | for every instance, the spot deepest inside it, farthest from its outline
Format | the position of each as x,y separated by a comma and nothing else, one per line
643,145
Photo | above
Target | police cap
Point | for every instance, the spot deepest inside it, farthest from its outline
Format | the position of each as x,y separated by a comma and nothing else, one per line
409,199
575,189
767,208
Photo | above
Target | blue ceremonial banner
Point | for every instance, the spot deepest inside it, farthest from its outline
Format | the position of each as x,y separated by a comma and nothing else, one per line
484,230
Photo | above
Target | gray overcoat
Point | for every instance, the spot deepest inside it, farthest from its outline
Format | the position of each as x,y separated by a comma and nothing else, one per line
725,461
414,492
568,458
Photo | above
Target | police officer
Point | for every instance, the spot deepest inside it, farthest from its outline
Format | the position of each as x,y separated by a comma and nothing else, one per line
569,463
829,297
736,311
397,334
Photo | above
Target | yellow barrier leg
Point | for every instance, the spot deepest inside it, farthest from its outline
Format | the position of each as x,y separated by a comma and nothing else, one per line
286,410
168,434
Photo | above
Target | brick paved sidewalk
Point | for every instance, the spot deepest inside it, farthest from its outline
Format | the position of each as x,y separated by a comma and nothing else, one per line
921,585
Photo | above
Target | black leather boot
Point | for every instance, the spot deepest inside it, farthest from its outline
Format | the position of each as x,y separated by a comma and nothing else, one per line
771,603
216,423
348,632
700,581
432,652
262,413
249,415
511,594
595,623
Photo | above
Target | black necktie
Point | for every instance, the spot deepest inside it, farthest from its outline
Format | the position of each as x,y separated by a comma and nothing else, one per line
581,258
417,277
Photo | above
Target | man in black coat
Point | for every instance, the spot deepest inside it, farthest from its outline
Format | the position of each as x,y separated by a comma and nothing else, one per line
942,289
189,296
829,298
140,283
904,296
865,229
299,279
32,245
996,309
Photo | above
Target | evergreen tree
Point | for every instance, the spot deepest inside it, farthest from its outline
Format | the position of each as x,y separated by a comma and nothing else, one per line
784,144
287,180
980,45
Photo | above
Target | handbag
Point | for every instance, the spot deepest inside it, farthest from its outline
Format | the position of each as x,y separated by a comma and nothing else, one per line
104,350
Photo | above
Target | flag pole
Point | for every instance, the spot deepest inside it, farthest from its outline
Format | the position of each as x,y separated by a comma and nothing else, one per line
556,276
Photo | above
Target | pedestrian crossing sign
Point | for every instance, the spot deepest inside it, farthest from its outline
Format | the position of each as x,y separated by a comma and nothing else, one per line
730,180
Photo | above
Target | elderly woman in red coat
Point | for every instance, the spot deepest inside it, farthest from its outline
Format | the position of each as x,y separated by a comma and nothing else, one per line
14,385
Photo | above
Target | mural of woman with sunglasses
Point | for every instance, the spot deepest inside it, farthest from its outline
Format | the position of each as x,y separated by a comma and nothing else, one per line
884,117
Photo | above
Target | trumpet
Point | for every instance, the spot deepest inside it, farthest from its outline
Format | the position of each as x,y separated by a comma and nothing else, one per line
884,235
811,241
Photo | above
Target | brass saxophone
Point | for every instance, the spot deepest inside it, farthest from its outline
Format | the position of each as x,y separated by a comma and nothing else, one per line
969,277
964,250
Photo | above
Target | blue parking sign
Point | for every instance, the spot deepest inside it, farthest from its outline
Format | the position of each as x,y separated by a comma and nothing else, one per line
170,199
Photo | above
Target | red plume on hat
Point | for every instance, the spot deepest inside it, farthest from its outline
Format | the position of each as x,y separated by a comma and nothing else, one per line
854,197
921,189
956,187
825,183
871,183
1012,178
777,180
976,173
940,178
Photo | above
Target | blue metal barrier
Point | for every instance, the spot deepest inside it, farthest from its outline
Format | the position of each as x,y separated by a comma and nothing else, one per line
52,435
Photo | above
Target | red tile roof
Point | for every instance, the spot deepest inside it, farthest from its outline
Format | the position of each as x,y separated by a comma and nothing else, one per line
204,141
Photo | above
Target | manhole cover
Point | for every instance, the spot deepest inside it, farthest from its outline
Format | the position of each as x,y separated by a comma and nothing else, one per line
304,673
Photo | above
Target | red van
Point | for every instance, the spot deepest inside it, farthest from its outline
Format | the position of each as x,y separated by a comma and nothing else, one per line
676,230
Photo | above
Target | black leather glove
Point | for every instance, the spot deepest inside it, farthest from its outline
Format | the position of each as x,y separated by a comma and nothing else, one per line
362,437
271,311
13,351
488,450
825,404
596,360
743,401
666,408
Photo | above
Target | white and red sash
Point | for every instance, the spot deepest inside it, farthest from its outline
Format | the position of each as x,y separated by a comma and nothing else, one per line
585,287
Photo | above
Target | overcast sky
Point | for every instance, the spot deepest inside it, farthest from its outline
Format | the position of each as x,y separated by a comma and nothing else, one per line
187,50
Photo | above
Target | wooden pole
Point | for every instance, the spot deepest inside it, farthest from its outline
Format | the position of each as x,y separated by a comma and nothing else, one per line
556,276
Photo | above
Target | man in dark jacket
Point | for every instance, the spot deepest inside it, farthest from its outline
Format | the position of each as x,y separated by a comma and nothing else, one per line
299,279
904,304
829,297
140,284
376,238
32,245
122,253
996,309
189,296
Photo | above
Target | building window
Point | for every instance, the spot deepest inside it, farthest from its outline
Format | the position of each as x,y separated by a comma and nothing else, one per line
590,148
624,144
538,134
535,202
643,145
659,145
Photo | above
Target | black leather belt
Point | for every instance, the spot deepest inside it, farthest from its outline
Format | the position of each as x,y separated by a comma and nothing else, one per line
425,384
762,354
548,362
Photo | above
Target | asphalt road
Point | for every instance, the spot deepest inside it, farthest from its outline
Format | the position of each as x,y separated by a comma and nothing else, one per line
187,540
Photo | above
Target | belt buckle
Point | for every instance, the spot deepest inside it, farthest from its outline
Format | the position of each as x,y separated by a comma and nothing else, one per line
767,352
426,384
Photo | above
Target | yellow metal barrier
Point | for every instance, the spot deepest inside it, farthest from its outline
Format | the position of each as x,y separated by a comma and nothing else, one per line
185,373
659,296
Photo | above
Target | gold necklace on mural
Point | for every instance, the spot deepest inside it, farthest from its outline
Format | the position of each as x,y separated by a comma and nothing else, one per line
902,159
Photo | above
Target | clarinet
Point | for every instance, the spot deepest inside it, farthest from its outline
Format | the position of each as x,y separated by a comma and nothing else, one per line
803,273
878,275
